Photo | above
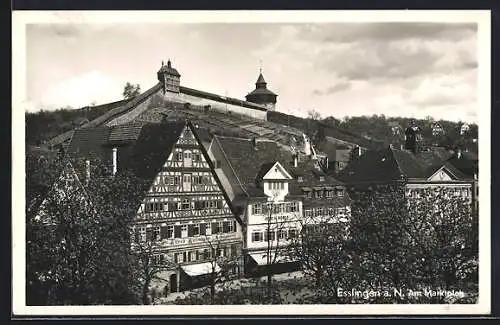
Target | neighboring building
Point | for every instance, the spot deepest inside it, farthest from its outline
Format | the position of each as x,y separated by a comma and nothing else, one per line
325,197
412,137
437,129
411,168
259,176
396,128
464,128
467,163
258,183
184,211
69,190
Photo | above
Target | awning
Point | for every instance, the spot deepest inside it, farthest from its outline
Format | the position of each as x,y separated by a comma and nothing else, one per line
199,269
261,258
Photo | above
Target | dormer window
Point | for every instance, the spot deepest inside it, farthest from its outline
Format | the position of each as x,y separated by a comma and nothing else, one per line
300,179
322,178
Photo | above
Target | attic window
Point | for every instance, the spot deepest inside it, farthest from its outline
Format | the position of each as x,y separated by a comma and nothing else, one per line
322,178
300,179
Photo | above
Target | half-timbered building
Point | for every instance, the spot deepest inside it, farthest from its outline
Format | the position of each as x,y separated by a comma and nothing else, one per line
184,215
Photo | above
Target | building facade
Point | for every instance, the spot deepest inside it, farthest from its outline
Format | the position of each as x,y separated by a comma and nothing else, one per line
276,193
184,218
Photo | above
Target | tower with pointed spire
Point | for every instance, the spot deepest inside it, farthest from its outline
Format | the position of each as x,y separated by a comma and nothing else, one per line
261,95
169,77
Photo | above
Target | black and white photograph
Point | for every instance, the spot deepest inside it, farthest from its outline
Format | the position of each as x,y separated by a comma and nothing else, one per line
251,163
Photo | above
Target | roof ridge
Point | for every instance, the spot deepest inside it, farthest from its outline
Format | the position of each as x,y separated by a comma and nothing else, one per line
391,150
230,165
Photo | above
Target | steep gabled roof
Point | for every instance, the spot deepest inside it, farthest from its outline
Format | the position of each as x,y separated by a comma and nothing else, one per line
248,161
89,142
389,165
125,132
408,164
372,166
152,148
464,164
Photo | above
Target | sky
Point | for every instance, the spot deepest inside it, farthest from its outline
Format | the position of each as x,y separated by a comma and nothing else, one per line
338,69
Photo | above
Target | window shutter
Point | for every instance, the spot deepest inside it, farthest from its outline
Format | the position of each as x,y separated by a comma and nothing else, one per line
214,228
234,226
149,234
137,236
163,232
203,229
190,231
177,231
225,226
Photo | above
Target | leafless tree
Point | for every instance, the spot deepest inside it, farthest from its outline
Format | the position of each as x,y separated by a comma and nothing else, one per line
221,266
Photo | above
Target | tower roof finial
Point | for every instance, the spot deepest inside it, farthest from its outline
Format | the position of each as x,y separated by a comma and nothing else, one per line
260,66
169,64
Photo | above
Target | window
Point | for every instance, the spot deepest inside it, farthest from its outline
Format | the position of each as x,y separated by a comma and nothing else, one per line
154,207
196,229
234,249
256,236
282,186
328,194
318,194
214,204
269,236
184,257
232,226
178,156
187,155
322,178
309,194
281,234
339,192
142,234
185,204
292,207
184,231
257,208
206,254
156,233
292,233
176,258
170,231
300,179
225,226
198,180
193,256
208,228
177,231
